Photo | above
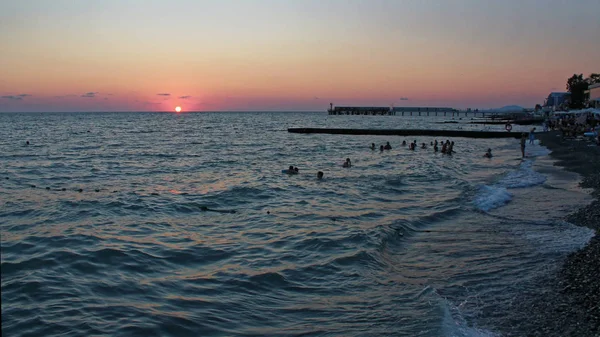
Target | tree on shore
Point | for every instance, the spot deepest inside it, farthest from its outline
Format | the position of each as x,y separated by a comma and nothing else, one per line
577,86
593,79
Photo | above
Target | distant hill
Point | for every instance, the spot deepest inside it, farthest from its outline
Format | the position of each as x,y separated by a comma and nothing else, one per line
510,108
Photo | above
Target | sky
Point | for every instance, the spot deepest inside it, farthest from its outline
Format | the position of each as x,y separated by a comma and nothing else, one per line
290,55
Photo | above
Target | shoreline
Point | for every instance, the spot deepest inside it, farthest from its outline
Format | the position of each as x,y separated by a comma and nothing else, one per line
572,307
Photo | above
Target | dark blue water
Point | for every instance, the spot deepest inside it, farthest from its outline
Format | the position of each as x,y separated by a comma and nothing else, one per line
185,226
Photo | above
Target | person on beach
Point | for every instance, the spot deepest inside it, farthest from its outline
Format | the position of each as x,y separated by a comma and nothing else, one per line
488,154
444,147
372,146
403,143
347,163
296,170
523,141
531,136
381,148
388,146
319,175
423,146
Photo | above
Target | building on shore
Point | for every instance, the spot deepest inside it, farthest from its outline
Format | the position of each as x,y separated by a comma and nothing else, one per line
557,99
593,94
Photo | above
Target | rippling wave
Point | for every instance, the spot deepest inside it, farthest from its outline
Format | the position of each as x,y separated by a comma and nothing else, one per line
145,224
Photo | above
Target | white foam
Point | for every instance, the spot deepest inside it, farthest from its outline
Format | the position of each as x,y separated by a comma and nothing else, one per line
490,197
455,325
536,150
524,176
564,239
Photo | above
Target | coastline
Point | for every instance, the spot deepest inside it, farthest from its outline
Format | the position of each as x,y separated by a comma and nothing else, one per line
572,308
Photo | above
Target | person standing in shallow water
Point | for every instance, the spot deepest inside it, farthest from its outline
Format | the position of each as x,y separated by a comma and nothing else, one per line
531,136
523,141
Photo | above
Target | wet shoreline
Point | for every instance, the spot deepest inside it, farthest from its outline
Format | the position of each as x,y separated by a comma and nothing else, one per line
572,306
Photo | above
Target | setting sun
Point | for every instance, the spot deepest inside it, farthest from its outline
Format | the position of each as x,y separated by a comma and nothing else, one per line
178,109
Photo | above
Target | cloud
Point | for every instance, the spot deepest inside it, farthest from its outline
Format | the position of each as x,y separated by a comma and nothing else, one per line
16,97
404,98
185,97
164,94
90,94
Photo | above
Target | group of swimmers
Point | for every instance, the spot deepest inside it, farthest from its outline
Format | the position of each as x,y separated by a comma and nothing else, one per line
292,170
387,146
447,147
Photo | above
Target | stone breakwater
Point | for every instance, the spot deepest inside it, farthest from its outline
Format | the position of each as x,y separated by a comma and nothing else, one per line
572,308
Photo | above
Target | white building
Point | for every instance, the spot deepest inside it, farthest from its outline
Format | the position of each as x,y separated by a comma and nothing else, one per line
594,95
555,99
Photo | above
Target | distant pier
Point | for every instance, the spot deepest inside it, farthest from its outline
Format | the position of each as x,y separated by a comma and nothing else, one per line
361,110
404,111
409,132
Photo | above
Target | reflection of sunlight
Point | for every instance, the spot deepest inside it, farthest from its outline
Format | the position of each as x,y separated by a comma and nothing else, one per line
224,184
204,183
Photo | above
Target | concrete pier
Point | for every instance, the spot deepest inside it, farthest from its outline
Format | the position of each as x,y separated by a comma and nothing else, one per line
409,132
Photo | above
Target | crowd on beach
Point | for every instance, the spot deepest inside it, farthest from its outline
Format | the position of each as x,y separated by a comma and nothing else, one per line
575,124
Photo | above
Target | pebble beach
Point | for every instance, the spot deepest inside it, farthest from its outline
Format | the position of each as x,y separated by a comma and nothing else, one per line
573,307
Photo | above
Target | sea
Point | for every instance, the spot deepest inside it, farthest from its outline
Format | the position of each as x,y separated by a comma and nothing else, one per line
165,224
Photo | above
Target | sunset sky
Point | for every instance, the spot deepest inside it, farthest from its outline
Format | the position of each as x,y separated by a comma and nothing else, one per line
150,55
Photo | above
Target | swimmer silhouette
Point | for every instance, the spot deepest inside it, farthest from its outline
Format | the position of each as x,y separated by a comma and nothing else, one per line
488,154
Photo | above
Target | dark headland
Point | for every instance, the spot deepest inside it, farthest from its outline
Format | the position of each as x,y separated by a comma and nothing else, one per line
572,308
